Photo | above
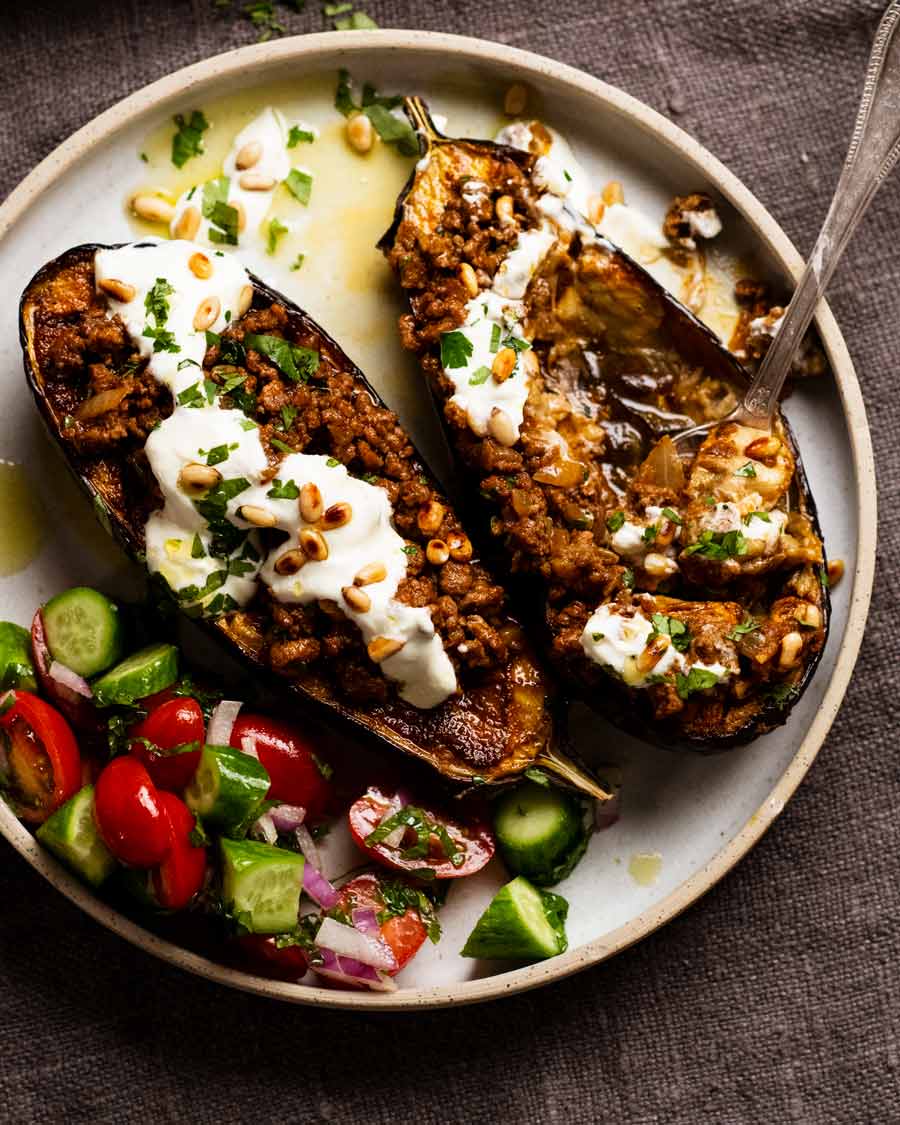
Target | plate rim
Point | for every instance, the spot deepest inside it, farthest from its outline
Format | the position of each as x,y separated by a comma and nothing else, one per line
518,64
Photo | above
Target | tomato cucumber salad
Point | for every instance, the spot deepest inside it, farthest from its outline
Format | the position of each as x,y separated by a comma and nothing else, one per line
179,805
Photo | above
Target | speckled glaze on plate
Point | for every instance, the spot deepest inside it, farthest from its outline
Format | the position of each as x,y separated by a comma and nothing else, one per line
686,820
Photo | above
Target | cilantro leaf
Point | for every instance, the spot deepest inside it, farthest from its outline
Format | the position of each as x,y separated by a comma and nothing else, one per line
188,141
676,630
286,490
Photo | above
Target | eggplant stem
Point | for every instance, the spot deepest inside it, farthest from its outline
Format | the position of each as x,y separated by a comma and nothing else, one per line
420,119
567,770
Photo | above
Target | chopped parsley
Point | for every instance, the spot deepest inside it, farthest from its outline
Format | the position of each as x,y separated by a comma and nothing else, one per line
222,216
456,349
649,534
299,184
764,516
671,627
298,136
212,506
281,446
781,694
748,626
293,360
187,363
398,897
198,551
332,462
190,396
286,490
598,636
718,545
218,453
392,130
356,21
288,414
628,579
479,376
410,549
672,516
275,230
495,338
697,679
188,141
416,819
156,305
615,521
748,470
299,262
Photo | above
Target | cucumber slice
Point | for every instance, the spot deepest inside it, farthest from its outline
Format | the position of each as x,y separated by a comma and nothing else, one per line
144,673
540,831
83,630
227,787
261,885
16,668
522,923
71,834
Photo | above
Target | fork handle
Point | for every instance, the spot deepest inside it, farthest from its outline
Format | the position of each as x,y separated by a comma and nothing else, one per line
874,150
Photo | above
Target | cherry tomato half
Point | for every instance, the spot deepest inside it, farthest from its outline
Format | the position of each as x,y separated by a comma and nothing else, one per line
404,933
43,757
181,873
448,846
261,954
176,722
129,814
295,770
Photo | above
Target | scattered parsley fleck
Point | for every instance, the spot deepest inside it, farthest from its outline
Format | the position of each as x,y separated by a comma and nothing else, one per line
219,453
298,136
188,141
649,534
479,376
293,360
222,216
198,551
782,694
495,337
332,462
286,490
764,516
187,363
718,545
598,636
145,157
676,630
456,349
672,516
288,414
697,679
276,229
298,262
299,184
628,579
615,521
747,470
747,626
281,446
409,549
190,396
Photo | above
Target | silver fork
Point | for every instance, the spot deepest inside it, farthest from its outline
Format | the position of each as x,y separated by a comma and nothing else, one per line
874,150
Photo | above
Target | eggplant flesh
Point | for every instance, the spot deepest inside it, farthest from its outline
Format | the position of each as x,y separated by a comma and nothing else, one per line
616,366
82,370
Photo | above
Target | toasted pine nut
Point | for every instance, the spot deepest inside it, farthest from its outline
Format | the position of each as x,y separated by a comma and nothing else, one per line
529,363
835,572
809,615
248,155
504,364
596,209
371,572
311,503
256,181
516,99
357,599
460,546
313,545
430,516
652,654
121,290
195,477
200,266
259,517
469,279
380,648
207,313
505,208
188,224
245,300
360,133
613,193
437,552
665,532
337,515
241,214
659,566
739,688
762,448
501,428
791,647
290,562
152,208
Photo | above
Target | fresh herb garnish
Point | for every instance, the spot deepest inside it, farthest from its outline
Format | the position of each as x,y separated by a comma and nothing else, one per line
218,453
425,830
782,694
718,545
332,462
298,262
190,396
479,376
222,216
187,363
741,630
275,230
281,446
628,579
298,136
286,490
697,679
456,349
357,21
409,549
399,897
615,521
293,360
212,506
495,338
764,516
676,630
198,551
672,516
156,305
299,184
188,141
748,470
392,130
649,534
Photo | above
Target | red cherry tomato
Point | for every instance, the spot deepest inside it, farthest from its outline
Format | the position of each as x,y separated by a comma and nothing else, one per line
405,933
176,722
453,848
262,956
44,762
129,814
181,873
292,765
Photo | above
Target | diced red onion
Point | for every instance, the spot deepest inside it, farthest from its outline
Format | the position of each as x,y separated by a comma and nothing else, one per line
221,722
264,829
307,845
347,970
366,920
346,941
287,817
69,679
318,888
78,709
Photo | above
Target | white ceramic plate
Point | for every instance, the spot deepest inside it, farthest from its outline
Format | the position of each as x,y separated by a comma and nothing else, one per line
697,815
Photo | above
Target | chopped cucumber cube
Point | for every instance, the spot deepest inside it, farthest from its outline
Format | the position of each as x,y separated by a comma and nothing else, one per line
261,885
522,923
71,834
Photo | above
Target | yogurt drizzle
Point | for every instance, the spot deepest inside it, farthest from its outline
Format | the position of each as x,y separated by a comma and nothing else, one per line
211,556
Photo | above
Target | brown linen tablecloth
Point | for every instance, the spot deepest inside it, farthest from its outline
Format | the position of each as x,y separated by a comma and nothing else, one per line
776,998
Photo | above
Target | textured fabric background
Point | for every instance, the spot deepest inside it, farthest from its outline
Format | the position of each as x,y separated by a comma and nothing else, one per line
775,999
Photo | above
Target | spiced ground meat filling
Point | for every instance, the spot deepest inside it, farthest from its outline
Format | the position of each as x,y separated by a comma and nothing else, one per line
108,406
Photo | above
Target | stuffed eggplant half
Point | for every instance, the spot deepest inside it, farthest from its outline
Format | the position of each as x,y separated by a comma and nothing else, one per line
229,443
685,602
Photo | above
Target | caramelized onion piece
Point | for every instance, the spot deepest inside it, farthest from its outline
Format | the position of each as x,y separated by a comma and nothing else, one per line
101,403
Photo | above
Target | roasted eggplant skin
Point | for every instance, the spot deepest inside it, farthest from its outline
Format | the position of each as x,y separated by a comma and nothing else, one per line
488,734
421,209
